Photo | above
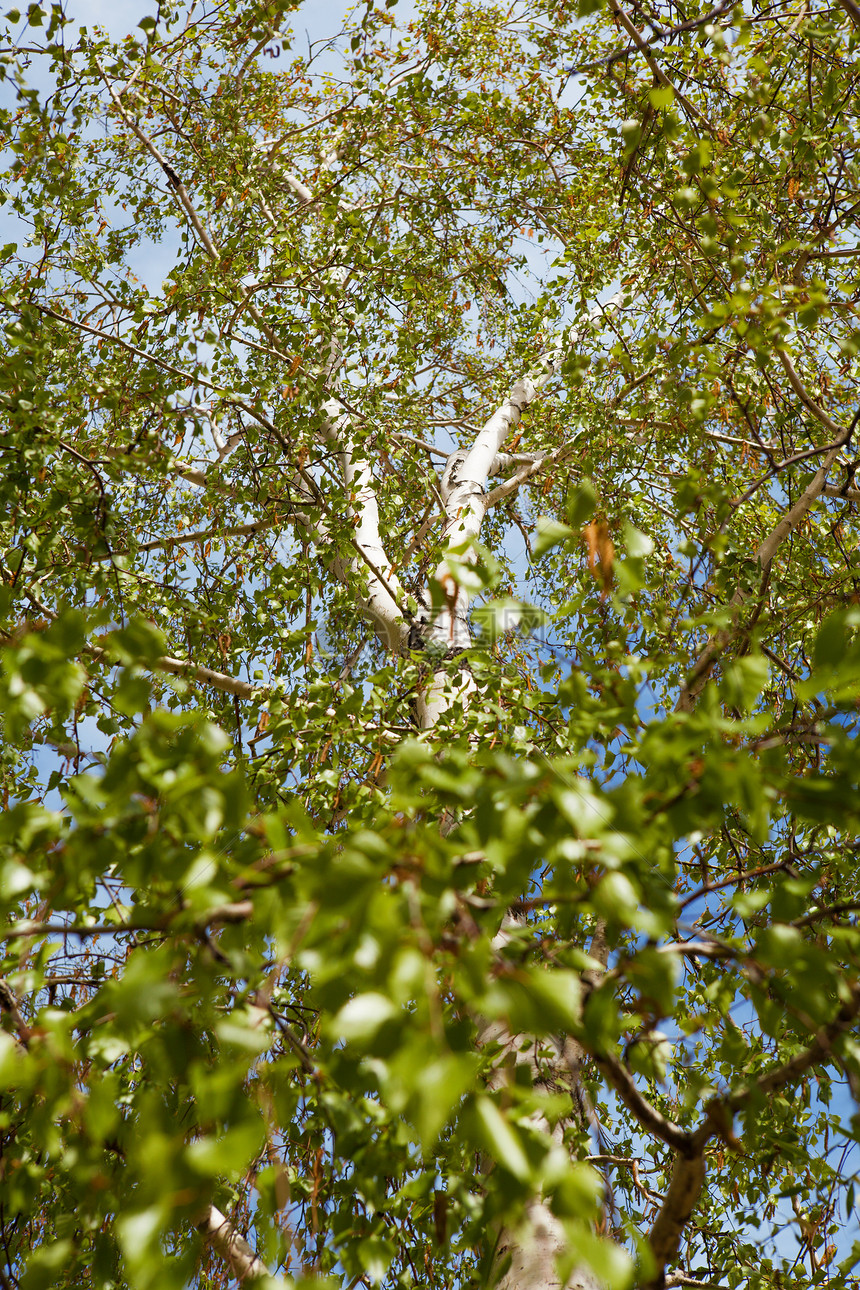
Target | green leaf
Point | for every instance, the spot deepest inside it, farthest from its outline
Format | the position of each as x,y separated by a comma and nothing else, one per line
549,534
637,544
655,976
15,879
661,97
227,1154
505,614
615,898
830,641
139,641
499,1138
360,1020
743,680
45,1265
133,693
631,571
438,1089
581,502
376,1254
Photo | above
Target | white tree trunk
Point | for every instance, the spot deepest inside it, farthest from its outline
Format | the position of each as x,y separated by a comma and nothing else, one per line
527,1256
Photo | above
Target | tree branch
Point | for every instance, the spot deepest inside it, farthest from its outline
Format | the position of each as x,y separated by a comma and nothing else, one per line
465,503
701,670
660,75
220,915
172,177
809,402
688,1174
522,476
795,1066
647,1114
386,598
220,1233
669,34
218,530
192,672
185,201
682,1196
852,9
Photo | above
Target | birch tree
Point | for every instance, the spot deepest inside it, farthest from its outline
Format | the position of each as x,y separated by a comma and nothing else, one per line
430,648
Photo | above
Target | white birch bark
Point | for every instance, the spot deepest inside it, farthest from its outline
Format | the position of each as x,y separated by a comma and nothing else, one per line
384,600
232,1247
464,497
527,1256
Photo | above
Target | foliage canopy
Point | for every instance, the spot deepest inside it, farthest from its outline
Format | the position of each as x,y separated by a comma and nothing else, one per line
430,653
